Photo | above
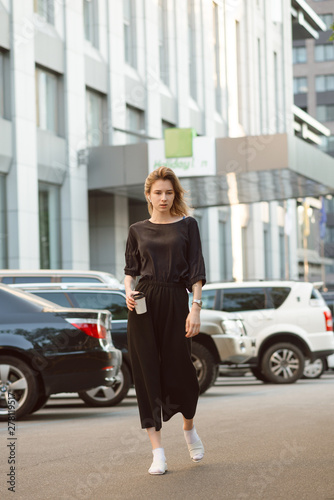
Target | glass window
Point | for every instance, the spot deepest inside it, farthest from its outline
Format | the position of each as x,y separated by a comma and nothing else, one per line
114,302
90,12
32,279
328,19
192,50
95,104
129,33
324,83
3,224
59,298
47,100
209,298
223,249
163,41
324,52
300,85
299,55
244,299
327,144
49,226
5,85
45,8
325,113
79,279
135,124
278,295
2,85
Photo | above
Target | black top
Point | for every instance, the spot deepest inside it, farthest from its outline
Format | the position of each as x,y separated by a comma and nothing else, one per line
169,253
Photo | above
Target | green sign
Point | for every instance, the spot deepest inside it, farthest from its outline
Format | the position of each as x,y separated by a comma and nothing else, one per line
179,142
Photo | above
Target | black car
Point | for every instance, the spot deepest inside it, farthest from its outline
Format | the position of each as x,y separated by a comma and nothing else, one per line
47,349
95,296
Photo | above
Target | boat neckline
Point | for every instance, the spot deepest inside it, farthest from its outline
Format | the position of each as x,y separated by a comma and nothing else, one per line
166,223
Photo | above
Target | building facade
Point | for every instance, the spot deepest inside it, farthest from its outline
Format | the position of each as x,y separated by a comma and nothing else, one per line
86,86
313,72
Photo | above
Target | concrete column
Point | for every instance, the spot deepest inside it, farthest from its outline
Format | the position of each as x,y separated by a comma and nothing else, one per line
74,197
274,237
23,241
181,49
152,70
256,245
213,272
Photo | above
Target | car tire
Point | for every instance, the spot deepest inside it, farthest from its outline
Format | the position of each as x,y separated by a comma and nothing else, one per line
256,371
283,363
108,396
16,378
314,370
41,401
204,363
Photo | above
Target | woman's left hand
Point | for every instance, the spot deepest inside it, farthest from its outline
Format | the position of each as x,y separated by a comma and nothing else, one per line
193,322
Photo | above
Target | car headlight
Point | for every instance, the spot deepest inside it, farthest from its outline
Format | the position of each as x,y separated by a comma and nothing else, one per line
233,327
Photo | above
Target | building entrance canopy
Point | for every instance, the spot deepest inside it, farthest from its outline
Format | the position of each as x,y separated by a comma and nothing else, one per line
222,171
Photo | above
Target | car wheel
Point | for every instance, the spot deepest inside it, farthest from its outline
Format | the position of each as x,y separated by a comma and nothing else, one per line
204,363
314,370
256,371
18,386
108,396
41,401
283,363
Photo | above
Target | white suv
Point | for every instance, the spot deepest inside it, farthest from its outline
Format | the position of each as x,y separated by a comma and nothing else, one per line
289,319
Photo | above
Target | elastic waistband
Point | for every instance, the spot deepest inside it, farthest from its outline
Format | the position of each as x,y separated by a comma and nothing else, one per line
149,282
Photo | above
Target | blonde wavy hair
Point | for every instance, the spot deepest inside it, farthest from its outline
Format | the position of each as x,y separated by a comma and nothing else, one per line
180,206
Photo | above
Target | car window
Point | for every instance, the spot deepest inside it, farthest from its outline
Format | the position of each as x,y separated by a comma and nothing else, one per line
278,295
208,298
59,298
32,279
114,302
13,303
243,299
315,294
8,280
79,279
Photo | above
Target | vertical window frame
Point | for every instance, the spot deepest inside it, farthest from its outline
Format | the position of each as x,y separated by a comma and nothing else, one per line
49,77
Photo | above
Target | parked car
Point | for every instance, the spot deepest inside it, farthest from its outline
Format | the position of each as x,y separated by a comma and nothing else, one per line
289,320
329,299
11,276
222,337
46,349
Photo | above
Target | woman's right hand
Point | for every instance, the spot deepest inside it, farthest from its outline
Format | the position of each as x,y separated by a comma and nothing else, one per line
130,301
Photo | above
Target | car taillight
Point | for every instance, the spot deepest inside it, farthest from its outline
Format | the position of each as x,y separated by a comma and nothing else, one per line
91,327
328,321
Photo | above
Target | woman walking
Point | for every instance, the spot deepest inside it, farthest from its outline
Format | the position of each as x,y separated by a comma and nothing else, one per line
165,251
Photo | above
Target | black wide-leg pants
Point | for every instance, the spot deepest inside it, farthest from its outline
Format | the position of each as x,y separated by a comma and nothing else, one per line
164,375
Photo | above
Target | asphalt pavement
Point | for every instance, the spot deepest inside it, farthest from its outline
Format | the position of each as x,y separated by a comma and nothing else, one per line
262,441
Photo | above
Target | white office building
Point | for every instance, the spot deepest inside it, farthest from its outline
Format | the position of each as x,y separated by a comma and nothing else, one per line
87,89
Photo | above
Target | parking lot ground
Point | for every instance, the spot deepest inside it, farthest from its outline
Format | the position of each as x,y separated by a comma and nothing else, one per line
262,442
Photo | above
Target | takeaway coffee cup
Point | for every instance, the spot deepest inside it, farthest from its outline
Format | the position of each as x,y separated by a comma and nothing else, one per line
141,303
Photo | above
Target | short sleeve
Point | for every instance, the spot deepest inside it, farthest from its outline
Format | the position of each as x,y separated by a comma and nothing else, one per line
195,256
132,260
